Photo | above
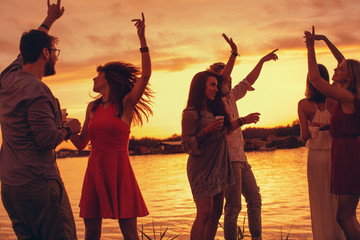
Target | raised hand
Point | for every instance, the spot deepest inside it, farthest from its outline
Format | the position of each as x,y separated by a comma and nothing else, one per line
310,38
231,43
318,37
270,56
252,118
55,11
140,25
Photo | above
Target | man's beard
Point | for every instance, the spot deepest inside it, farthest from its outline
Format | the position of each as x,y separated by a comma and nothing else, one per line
49,68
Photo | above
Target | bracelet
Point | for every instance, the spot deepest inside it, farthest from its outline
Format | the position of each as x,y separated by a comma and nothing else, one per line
240,122
45,26
144,49
243,120
68,133
235,54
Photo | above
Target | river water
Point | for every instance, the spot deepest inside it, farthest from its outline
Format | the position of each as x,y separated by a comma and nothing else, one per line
280,174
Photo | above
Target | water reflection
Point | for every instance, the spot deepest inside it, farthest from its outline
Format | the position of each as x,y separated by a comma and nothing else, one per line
281,175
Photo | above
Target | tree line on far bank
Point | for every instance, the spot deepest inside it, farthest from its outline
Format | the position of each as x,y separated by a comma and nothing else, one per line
251,132
268,138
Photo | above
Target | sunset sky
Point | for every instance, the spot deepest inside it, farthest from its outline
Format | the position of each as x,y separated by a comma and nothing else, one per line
184,38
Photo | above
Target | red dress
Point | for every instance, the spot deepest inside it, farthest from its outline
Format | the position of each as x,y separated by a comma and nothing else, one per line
345,151
110,189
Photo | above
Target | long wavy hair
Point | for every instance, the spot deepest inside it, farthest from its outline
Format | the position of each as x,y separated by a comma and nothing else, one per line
121,78
198,100
353,67
311,93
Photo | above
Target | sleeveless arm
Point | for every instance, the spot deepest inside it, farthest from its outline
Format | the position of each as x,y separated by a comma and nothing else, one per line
81,140
303,119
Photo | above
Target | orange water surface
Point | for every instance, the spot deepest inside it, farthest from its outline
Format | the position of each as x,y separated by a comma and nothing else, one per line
281,176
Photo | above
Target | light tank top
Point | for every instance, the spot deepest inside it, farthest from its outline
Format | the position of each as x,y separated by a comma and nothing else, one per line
323,139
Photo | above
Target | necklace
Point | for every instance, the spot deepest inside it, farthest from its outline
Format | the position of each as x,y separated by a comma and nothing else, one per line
103,102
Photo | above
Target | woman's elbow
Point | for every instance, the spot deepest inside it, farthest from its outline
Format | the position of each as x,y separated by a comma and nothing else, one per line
304,137
185,148
314,79
80,147
78,143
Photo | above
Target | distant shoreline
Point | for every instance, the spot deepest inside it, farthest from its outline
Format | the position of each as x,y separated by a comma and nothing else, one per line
256,139
174,147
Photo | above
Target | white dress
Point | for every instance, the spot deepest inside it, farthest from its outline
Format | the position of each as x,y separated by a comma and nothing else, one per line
322,202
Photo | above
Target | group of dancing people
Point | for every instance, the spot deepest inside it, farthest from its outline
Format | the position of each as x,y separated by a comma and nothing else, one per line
34,195
330,123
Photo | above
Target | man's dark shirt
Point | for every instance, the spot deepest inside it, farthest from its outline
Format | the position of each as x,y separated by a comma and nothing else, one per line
30,119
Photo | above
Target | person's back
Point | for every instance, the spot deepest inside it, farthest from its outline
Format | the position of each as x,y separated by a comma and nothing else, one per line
32,191
27,152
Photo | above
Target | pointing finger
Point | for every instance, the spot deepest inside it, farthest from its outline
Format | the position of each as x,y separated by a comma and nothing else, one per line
225,37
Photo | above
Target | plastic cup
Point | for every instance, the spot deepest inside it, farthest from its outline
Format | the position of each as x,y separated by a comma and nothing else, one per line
63,115
220,117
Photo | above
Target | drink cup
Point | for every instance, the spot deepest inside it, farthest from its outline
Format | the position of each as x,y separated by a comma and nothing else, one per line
314,131
219,117
63,115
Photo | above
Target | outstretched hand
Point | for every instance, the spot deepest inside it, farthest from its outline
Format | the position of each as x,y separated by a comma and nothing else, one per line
270,56
54,10
252,118
231,43
140,25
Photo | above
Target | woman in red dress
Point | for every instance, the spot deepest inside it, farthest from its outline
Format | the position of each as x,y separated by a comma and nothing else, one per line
345,131
110,189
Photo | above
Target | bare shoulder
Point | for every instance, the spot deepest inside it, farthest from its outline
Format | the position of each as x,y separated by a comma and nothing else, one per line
90,105
307,107
304,104
89,112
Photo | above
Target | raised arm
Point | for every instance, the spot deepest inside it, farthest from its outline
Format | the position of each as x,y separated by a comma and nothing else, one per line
254,74
136,93
337,54
339,94
230,64
55,11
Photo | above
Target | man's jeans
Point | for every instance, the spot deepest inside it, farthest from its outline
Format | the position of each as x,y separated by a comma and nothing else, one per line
39,209
245,185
